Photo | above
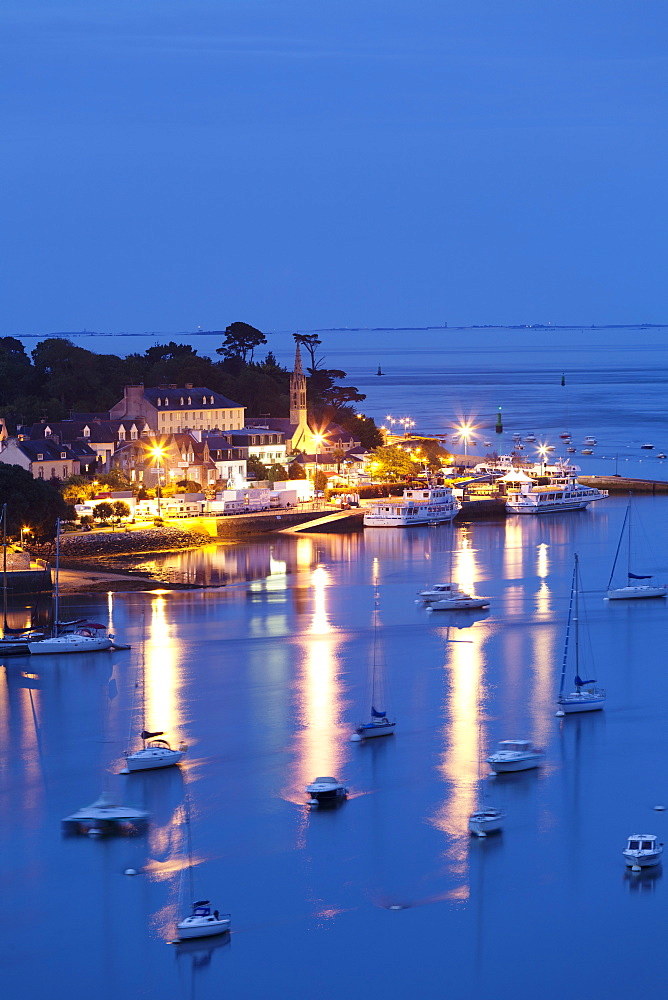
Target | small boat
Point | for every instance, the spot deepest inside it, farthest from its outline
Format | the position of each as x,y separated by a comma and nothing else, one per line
529,438
487,444
589,440
202,921
378,724
632,590
571,451
585,698
380,371
586,451
565,436
661,455
549,447
516,755
642,850
647,447
449,596
154,752
326,791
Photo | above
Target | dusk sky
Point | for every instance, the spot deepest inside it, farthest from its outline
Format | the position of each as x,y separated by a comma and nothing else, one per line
174,163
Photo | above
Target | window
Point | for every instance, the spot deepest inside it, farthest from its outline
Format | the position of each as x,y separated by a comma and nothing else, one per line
53,473
190,402
40,473
211,400
159,401
63,454
40,457
203,400
181,400
65,472
166,401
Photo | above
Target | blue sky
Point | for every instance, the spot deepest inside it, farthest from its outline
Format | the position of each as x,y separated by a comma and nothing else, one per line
169,164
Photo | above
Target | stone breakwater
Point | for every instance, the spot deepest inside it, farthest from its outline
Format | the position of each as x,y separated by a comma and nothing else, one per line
127,542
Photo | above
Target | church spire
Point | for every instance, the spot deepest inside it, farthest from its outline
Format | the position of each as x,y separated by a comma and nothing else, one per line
298,392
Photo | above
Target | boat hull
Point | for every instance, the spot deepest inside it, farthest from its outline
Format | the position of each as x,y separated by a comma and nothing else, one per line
641,859
582,701
485,821
199,927
555,507
406,520
69,644
504,766
370,729
458,604
635,593
148,759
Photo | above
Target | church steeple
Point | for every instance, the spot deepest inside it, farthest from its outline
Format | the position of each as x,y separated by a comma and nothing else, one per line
298,392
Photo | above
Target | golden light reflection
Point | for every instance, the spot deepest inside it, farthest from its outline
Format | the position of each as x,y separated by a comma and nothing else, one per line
459,764
321,744
465,568
31,781
513,553
304,554
162,680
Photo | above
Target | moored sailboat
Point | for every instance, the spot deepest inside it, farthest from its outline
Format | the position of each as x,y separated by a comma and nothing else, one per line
378,723
202,921
586,697
632,591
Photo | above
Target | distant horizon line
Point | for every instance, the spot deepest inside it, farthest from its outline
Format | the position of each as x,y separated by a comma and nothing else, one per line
354,329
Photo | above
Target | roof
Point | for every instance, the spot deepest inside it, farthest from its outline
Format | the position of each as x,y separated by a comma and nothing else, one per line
101,431
50,451
182,398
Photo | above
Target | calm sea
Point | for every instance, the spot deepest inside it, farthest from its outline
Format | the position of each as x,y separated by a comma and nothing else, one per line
265,680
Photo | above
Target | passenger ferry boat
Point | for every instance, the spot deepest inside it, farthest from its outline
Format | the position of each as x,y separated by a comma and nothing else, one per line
562,492
433,505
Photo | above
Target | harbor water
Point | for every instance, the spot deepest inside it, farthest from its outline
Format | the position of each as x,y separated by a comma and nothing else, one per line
265,680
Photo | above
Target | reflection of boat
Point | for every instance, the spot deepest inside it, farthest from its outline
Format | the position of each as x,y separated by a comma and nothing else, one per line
202,921
103,817
430,505
632,590
516,755
154,752
583,699
378,724
326,791
642,850
86,638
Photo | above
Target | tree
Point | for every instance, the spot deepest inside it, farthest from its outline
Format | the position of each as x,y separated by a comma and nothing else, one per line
103,511
277,474
392,463
255,469
429,452
188,486
319,480
310,342
241,339
296,471
36,503
116,480
120,509
77,489
338,456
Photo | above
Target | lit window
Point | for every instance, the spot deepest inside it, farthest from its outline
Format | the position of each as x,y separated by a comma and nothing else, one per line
40,457
63,454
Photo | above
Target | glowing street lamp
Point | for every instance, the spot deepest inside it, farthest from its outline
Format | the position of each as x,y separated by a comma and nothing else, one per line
391,420
465,432
158,453
542,451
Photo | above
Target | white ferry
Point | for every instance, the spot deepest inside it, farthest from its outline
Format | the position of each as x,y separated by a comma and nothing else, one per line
562,492
433,505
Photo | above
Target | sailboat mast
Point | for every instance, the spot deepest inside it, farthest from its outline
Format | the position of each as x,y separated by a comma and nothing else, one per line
568,630
576,619
619,545
4,565
56,596
628,555
191,877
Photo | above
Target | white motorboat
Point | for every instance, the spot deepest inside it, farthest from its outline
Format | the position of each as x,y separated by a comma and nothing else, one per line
154,752
378,724
642,850
430,505
103,817
326,791
647,447
586,451
202,921
516,755
632,591
571,450
529,438
562,493
589,440
450,597
586,697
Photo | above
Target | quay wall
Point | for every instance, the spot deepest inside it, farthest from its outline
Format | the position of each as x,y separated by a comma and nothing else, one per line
620,484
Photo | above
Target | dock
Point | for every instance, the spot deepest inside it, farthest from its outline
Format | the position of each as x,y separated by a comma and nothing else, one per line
622,484
339,520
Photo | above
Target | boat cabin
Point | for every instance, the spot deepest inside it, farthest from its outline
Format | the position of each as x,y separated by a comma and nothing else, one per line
642,842
515,746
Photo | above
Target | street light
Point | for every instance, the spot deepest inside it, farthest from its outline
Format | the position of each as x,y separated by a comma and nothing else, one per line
465,431
158,453
542,451
391,420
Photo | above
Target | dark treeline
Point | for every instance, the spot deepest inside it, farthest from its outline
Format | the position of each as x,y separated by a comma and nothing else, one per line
59,378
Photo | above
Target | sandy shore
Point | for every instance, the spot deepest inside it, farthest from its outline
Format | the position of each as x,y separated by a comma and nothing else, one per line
78,581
